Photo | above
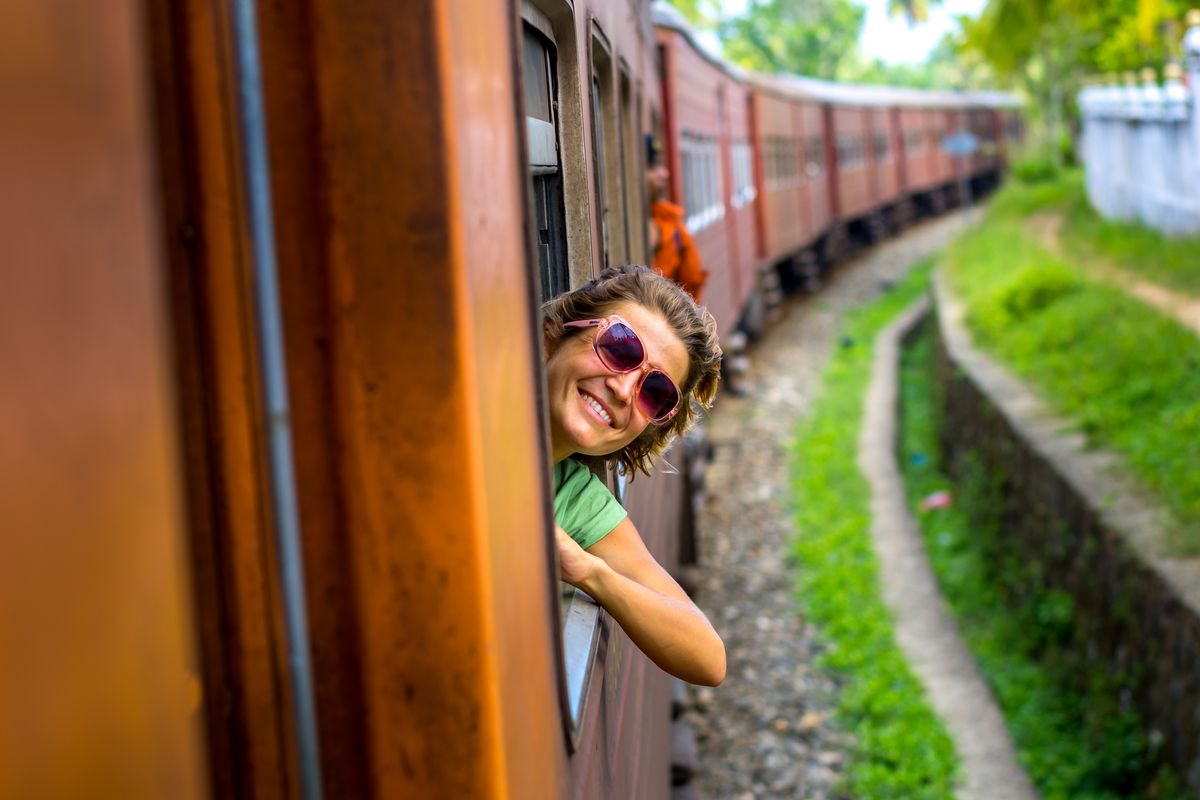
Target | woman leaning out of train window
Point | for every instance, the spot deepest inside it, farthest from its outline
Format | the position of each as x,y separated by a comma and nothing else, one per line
631,359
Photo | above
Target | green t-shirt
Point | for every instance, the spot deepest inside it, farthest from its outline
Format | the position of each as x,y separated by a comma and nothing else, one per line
583,505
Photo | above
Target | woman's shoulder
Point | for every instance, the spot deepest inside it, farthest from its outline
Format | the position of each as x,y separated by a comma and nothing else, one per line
571,471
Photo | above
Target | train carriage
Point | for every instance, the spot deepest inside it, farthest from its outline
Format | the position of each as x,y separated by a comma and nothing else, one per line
786,220
697,94
918,148
277,412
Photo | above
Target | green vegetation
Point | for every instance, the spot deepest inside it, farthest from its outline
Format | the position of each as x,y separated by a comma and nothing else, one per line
1048,48
1087,238
1127,375
902,749
1175,263
819,38
1065,716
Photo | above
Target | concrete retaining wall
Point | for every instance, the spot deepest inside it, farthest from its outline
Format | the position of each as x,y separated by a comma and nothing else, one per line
1079,527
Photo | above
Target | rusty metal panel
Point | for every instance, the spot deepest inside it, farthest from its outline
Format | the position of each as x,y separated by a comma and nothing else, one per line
99,689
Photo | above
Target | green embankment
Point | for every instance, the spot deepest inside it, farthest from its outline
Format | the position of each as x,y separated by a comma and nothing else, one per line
902,749
1126,374
1070,731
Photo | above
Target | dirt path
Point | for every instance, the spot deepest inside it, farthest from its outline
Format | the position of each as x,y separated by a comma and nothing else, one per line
1046,226
766,732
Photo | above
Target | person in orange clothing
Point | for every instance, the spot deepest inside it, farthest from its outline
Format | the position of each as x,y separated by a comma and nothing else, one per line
675,254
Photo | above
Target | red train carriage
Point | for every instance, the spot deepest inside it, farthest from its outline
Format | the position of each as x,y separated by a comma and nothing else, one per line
275,465
705,114
785,200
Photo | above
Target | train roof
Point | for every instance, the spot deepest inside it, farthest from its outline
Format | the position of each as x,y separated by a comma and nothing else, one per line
669,17
857,94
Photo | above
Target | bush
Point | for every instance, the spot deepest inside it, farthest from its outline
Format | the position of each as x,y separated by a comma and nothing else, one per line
1036,168
1035,287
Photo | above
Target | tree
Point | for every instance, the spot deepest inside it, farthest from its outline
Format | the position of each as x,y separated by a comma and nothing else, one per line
914,10
803,37
700,14
946,67
1050,46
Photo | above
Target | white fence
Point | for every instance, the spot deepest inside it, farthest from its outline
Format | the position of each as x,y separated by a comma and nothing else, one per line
1141,148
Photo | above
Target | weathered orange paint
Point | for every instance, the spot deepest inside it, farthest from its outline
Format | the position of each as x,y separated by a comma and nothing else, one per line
412,362
98,685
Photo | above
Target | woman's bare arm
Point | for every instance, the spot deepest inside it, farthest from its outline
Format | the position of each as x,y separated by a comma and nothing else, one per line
646,602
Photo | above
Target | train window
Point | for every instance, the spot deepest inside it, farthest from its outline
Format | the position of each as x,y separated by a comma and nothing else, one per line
555,91
639,185
783,163
703,200
633,194
814,152
606,143
883,147
541,129
850,151
598,165
914,142
743,174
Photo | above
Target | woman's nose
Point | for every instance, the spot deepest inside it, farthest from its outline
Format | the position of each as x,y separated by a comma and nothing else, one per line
624,384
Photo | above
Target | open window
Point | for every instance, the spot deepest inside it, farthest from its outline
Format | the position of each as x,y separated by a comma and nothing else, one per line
633,205
606,154
547,213
554,92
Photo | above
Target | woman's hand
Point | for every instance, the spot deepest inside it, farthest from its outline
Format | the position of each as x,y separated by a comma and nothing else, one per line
576,564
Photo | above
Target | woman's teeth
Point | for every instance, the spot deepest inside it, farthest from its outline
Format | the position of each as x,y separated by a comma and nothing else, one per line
599,409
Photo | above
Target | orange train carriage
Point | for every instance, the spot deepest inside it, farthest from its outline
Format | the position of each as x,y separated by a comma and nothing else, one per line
274,464
275,479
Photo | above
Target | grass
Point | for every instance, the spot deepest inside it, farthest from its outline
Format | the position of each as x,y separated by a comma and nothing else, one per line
1086,236
902,749
1127,375
1076,743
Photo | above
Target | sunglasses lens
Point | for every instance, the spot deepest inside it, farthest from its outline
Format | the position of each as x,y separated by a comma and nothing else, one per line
620,348
658,396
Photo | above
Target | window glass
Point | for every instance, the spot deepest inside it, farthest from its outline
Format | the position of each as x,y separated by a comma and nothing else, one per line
704,201
598,164
814,153
542,163
743,174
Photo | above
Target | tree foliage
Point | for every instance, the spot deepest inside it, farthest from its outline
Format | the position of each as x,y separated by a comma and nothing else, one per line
1049,47
1092,36
804,37
946,67
914,10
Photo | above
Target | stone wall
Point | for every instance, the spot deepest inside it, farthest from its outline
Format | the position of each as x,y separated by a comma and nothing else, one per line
1079,527
1141,145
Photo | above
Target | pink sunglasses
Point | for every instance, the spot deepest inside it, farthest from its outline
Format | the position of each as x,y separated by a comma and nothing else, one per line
620,349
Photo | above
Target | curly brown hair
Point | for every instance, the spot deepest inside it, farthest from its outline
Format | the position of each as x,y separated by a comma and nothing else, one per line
693,324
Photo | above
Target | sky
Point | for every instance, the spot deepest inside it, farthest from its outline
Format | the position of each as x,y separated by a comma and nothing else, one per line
889,38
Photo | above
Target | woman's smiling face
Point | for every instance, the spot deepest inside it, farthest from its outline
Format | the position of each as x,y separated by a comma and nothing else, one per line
592,409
